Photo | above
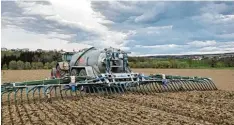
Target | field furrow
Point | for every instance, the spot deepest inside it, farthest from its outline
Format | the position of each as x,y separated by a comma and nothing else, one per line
116,111
206,113
53,114
153,115
203,98
141,106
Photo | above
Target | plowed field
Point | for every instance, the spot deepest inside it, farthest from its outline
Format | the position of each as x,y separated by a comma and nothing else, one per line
195,107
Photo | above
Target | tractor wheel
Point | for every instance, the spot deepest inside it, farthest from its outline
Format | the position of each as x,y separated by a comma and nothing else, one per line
82,72
61,72
74,72
53,73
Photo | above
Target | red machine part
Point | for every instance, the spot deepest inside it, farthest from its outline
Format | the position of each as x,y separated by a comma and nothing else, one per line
55,73
81,60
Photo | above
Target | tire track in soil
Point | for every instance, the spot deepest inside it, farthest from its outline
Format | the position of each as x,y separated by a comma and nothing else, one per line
185,109
50,110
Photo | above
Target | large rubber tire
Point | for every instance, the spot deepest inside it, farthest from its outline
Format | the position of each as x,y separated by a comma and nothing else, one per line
62,72
53,73
82,72
74,72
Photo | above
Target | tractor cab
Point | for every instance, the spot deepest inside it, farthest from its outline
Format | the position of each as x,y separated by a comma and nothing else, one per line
62,67
67,56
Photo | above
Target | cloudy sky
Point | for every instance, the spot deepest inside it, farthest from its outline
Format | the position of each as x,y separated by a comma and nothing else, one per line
144,28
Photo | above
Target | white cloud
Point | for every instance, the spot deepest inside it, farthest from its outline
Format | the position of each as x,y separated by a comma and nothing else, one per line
117,6
134,54
58,35
227,45
214,18
160,27
76,14
157,29
166,46
151,13
209,47
32,8
151,30
118,24
224,36
214,8
202,43
24,39
82,13
194,47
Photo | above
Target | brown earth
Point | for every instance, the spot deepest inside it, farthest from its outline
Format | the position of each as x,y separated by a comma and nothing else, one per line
194,107
23,75
159,108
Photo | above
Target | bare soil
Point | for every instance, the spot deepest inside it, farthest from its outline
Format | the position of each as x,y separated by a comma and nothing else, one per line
161,108
24,75
194,107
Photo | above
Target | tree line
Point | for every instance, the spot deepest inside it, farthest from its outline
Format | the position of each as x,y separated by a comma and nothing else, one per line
20,65
143,62
29,60
47,60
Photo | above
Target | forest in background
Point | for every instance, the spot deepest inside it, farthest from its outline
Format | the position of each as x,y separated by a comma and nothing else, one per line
29,60
47,60
142,62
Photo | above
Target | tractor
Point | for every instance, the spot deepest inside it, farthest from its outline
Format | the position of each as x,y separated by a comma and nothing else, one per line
107,71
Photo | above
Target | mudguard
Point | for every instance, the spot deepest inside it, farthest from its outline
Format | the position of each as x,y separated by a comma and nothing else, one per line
63,65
